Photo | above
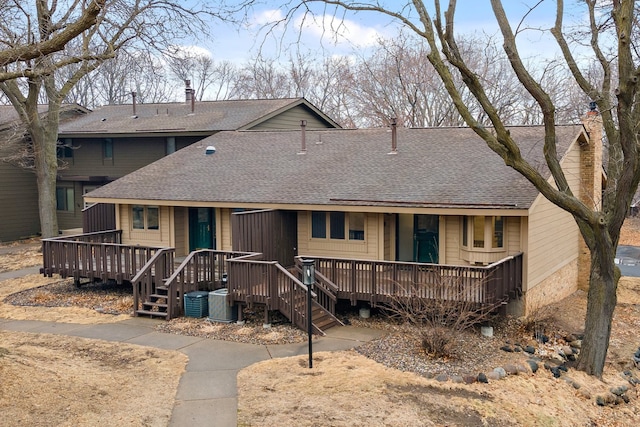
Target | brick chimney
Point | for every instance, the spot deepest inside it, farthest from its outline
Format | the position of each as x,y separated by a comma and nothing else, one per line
591,178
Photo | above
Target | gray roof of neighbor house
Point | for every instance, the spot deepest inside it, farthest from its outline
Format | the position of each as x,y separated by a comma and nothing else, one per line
9,115
434,167
207,116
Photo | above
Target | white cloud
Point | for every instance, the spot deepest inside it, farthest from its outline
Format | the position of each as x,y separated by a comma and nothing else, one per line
190,50
338,30
266,17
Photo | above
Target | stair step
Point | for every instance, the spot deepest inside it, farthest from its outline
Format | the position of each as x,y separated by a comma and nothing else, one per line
158,296
322,324
147,304
151,313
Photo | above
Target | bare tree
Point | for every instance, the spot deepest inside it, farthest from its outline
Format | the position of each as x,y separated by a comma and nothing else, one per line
612,37
197,67
20,44
35,25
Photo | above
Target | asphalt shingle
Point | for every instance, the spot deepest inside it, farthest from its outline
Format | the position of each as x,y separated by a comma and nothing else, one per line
434,167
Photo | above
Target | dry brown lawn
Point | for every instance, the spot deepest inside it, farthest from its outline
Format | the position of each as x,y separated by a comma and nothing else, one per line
51,380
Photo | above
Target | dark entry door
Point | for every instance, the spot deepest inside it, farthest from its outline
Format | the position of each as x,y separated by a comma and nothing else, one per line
425,238
202,229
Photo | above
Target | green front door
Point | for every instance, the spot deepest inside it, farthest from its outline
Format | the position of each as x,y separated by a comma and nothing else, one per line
425,238
202,229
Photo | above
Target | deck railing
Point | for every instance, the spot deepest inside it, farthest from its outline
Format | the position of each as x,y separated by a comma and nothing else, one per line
94,256
268,283
378,281
204,269
326,290
159,267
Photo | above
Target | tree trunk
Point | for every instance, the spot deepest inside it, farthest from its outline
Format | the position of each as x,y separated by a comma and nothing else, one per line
46,165
601,303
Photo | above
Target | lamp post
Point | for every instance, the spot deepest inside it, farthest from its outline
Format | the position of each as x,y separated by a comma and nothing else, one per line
308,278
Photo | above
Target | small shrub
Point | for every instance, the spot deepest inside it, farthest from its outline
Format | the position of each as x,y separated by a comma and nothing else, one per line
436,342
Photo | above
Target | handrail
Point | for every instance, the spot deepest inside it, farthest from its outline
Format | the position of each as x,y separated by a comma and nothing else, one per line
94,260
377,281
150,275
191,272
73,237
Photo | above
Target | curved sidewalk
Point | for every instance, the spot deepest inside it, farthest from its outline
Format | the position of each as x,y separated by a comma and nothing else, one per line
207,394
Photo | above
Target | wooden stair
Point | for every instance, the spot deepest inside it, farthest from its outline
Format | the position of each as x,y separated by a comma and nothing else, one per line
322,319
156,304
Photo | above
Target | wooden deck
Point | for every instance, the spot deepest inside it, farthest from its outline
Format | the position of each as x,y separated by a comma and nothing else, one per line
160,285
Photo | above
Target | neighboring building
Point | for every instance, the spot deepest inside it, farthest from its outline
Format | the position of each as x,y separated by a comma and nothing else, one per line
436,195
115,140
19,217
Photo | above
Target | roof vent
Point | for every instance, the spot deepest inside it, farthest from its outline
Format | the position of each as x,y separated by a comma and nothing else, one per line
210,150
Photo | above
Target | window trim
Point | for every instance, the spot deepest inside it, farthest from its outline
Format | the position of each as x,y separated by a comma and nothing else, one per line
468,225
107,148
69,199
146,218
330,231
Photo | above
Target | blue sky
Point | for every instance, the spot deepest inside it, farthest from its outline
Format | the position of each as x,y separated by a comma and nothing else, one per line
361,30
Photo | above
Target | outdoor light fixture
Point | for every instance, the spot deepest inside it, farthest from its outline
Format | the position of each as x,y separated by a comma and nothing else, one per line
210,150
308,278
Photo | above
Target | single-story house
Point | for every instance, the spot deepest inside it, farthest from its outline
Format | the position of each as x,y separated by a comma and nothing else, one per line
437,196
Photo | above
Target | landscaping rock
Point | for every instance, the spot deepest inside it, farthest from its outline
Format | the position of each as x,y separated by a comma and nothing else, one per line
555,371
533,365
619,390
482,378
457,379
530,349
443,378
511,369
507,348
470,379
494,376
501,372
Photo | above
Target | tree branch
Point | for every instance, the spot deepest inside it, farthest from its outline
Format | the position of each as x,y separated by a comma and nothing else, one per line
55,43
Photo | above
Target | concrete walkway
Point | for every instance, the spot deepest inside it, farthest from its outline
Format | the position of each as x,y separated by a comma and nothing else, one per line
207,393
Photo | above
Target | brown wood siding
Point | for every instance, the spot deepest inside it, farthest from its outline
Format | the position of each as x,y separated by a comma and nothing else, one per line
99,217
129,154
290,119
270,232
180,217
19,193
71,220
553,237
368,249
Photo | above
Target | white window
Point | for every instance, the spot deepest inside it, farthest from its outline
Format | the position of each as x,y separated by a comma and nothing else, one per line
483,232
145,217
336,224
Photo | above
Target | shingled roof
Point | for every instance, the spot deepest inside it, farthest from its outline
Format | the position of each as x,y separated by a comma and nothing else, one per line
207,116
434,167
